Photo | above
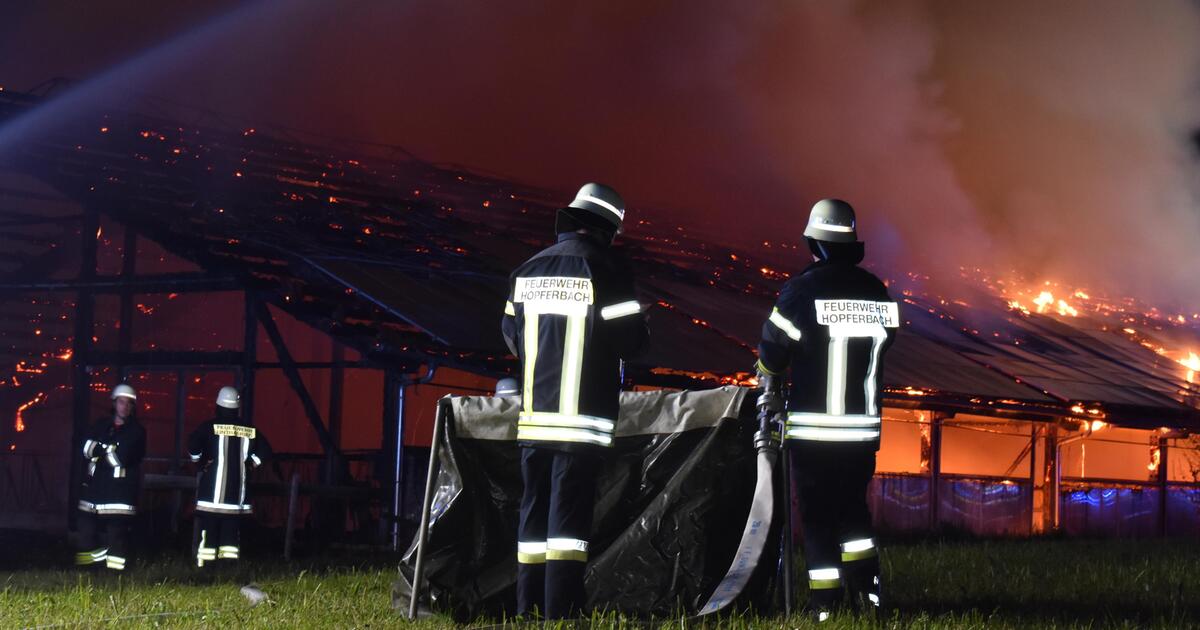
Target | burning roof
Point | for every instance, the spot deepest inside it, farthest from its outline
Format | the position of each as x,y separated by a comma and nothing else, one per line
407,260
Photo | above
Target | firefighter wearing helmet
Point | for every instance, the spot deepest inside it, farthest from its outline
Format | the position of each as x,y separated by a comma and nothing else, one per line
226,448
113,450
831,325
571,317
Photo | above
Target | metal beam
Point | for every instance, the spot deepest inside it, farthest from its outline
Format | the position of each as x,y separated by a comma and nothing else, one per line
167,359
293,376
81,347
249,353
153,283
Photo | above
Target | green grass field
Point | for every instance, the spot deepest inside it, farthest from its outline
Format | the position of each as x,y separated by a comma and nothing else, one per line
960,584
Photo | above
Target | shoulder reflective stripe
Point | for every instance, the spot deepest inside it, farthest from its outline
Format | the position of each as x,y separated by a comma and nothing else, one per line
530,359
869,393
572,364
835,394
826,420
620,214
784,324
832,435
858,545
621,309
566,420
556,434
509,309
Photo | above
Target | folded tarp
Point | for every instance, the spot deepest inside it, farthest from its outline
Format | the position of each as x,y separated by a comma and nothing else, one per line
671,503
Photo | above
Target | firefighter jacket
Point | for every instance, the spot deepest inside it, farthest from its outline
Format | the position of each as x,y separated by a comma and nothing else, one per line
112,475
571,317
227,449
832,325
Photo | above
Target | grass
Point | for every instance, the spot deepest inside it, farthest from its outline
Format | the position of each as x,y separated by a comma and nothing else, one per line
932,584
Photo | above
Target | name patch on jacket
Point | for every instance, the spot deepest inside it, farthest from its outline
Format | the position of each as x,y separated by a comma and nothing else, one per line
552,293
841,312
233,430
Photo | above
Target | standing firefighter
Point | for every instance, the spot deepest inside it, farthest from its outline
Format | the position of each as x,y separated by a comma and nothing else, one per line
113,449
227,448
832,325
571,317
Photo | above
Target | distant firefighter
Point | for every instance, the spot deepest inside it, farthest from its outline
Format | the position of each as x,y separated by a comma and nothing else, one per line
832,325
114,449
571,317
227,448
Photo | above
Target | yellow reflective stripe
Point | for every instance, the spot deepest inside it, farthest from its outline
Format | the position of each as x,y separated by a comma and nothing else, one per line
572,365
531,558
577,421
821,579
561,434
830,420
567,554
863,554
820,585
819,434
763,369
784,324
530,358
509,309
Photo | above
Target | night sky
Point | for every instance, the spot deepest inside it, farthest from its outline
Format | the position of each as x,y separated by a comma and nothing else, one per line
1020,135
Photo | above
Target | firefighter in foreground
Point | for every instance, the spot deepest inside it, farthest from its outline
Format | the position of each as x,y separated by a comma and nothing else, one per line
832,325
571,317
227,449
108,500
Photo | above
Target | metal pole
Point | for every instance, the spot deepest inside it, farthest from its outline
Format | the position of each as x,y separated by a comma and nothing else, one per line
426,505
290,532
180,411
397,477
789,554
1033,436
935,469
1163,477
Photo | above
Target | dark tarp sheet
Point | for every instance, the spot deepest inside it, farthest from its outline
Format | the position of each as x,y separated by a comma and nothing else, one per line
671,505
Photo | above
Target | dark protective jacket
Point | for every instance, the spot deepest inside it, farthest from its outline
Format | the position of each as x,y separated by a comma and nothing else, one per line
112,476
571,317
832,325
227,449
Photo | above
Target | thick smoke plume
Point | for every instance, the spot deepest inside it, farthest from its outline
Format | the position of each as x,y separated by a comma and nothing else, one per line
1050,137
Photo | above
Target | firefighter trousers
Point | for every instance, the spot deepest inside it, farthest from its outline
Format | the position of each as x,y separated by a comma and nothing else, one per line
553,536
103,539
839,540
219,537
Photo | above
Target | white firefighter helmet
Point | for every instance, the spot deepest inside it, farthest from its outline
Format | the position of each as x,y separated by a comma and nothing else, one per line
596,206
123,391
229,398
832,221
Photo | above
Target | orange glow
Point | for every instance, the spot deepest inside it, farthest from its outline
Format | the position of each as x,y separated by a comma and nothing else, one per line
1192,363
19,425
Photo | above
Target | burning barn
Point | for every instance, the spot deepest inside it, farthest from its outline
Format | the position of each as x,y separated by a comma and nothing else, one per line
347,288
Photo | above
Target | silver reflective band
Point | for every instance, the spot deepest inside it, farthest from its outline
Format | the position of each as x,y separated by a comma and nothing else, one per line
87,447
603,204
556,434
828,420
829,227
256,460
566,544
874,598
531,547
858,545
784,324
566,420
824,574
194,457
832,435
509,309
620,310
106,508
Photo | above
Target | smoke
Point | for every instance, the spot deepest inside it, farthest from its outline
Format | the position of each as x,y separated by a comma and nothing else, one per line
1053,138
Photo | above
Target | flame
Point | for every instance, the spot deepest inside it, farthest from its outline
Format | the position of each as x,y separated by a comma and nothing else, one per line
1044,299
19,425
1192,363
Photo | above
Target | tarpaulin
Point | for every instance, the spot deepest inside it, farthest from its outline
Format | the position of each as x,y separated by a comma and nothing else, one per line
671,504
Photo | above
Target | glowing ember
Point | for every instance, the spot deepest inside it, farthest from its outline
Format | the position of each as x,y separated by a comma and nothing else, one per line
1192,363
19,425
1043,300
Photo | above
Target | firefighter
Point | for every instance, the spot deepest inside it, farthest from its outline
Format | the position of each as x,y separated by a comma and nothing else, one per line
571,317
832,325
108,500
227,448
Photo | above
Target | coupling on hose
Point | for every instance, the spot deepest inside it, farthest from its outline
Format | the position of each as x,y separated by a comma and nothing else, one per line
770,412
